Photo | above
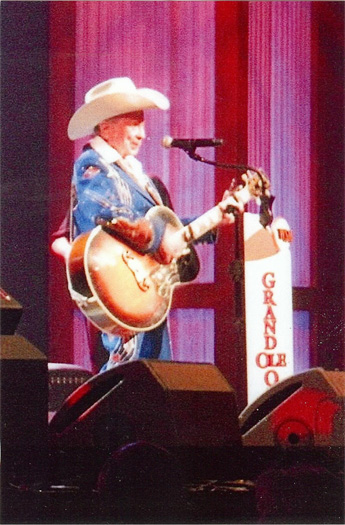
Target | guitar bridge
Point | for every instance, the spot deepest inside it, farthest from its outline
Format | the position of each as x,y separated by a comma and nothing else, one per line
164,277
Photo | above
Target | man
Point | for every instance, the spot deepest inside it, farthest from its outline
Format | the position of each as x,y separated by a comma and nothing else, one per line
109,182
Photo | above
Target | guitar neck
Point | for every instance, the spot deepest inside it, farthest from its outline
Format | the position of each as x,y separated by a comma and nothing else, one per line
209,220
203,224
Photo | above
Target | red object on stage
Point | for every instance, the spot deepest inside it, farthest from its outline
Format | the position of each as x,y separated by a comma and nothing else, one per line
304,410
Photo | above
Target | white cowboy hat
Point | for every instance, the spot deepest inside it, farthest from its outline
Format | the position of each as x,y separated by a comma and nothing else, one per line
113,97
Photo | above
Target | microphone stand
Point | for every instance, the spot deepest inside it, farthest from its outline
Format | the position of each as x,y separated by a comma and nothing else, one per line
236,267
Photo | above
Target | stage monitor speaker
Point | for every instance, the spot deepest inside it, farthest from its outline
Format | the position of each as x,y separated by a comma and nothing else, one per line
303,410
24,409
64,378
11,312
165,403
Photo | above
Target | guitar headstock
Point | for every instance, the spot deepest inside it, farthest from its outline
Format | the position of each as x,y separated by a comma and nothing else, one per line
257,183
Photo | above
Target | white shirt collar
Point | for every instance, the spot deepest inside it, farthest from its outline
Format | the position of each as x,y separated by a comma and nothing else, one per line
133,166
111,155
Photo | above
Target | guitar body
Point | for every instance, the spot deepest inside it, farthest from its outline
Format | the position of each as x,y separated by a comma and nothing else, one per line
121,291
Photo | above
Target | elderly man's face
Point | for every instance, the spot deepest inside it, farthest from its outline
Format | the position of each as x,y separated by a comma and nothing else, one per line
125,133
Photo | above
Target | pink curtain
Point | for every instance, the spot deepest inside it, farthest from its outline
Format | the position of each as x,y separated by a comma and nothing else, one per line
279,115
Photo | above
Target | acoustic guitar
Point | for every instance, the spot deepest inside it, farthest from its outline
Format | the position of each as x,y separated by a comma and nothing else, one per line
124,292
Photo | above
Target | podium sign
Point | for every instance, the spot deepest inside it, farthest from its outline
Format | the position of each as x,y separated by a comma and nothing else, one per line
268,300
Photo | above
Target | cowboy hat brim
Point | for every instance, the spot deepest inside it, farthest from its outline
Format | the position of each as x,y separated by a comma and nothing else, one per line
110,105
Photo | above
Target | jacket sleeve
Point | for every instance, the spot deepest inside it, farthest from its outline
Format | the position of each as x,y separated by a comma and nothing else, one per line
102,194
99,193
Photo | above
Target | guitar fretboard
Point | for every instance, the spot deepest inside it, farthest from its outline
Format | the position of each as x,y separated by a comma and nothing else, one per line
211,219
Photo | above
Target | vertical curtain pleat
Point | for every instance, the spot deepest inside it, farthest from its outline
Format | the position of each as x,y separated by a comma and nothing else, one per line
301,341
192,335
279,115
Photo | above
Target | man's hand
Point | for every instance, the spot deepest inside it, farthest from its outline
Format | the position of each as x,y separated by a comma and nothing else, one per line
138,233
61,247
229,200
171,247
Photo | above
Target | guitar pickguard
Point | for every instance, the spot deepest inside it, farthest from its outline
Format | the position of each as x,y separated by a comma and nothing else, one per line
137,269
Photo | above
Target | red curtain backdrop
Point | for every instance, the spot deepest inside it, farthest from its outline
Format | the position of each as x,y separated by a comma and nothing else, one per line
61,107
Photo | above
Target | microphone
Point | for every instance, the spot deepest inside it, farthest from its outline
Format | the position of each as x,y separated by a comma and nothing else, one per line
190,144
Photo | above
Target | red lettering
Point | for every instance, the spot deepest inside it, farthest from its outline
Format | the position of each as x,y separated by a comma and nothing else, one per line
270,325
268,297
270,342
269,314
281,360
271,377
264,360
285,235
268,283
260,363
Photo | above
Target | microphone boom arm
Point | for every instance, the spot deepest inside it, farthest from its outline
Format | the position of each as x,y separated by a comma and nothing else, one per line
266,200
191,153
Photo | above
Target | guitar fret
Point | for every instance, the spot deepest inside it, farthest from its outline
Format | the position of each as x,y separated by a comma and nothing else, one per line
188,235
